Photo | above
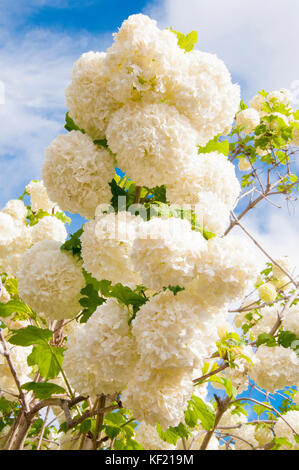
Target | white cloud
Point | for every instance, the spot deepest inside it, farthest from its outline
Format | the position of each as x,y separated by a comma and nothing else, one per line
35,70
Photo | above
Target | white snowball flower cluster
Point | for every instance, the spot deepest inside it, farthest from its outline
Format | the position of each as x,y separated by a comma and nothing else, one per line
246,438
283,96
248,120
244,164
18,356
156,142
148,437
212,214
158,395
165,252
87,97
263,434
275,368
49,228
173,332
232,419
101,356
281,428
226,270
76,172
152,101
16,209
208,172
206,95
291,320
50,280
39,197
268,320
107,243
15,238
267,292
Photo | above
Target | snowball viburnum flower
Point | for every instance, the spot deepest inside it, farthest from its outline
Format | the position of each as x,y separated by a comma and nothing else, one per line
50,280
267,292
248,120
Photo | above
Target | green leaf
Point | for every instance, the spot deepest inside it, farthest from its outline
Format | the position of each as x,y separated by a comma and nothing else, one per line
70,124
186,42
123,294
215,145
243,105
31,335
198,410
170,435
74,243
85,426
159,193
43,390
286,338
90,302
15,306
49,360
61,216
266,339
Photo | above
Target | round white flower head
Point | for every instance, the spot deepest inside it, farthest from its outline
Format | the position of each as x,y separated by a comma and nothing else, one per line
11,264
142,60
225,271
204,93
158,396
165,252
296,398
248,120
239,375
50,280
232,419
285,263
206,172
106,247
89,102
49,228
17,210
244,164
267,292
8,232
266,323
258,102
291,320
281,429
39,197
152,142
14,238
263,434
77,172
148,437
4,295
100,356
18,356
174,331
283,96
246,438
276,368
211,213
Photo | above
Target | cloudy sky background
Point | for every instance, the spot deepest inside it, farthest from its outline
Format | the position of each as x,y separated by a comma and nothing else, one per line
40,40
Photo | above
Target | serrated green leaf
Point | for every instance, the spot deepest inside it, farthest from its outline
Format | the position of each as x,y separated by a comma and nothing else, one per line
43,390
31,335
49,360
14,306
215,145
74,243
